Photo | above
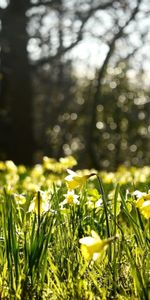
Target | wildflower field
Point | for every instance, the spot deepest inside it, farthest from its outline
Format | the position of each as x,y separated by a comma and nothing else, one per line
68,234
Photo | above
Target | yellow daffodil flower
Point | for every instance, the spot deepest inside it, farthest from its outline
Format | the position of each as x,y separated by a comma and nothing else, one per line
49,163
74,181
143,203
20,199
21,169
145,209
2,166
10,166
70,198
140,197
44,203
92,246
68,162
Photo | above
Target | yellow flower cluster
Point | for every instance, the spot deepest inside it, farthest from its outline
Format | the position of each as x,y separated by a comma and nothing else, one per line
42,177
125,175
51,164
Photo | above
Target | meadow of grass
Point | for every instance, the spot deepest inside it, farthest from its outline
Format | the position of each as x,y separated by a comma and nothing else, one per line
74,235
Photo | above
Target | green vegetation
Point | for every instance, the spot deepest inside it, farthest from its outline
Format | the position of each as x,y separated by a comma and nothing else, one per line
74,235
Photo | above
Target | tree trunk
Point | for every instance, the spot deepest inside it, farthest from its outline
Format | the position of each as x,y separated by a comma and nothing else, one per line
14,60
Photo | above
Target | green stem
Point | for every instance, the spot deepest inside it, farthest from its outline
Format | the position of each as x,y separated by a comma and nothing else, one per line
105,205
39,207
106,215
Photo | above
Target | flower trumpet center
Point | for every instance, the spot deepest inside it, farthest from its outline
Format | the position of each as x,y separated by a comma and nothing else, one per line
70,199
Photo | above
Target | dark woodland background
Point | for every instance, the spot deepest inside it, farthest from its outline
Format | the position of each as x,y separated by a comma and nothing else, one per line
48,108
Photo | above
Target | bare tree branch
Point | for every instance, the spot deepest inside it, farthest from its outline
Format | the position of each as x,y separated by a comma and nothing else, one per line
136,49
100,76
101,6
84,19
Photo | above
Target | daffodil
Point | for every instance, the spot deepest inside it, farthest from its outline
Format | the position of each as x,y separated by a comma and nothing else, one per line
140,198
74,181
70,198
68,162
49,164
2,166
10,166
92,246
143,203
21,169
145,209
43,203
20,199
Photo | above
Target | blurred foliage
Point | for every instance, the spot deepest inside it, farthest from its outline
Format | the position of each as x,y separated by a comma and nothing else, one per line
122,129
47,106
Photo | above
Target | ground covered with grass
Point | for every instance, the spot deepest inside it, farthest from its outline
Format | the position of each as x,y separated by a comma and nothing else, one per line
68,234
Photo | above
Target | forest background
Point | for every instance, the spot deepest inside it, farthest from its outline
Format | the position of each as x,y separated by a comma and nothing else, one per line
74,80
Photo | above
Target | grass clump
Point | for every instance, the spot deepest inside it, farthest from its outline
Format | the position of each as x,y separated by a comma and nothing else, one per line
74,235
